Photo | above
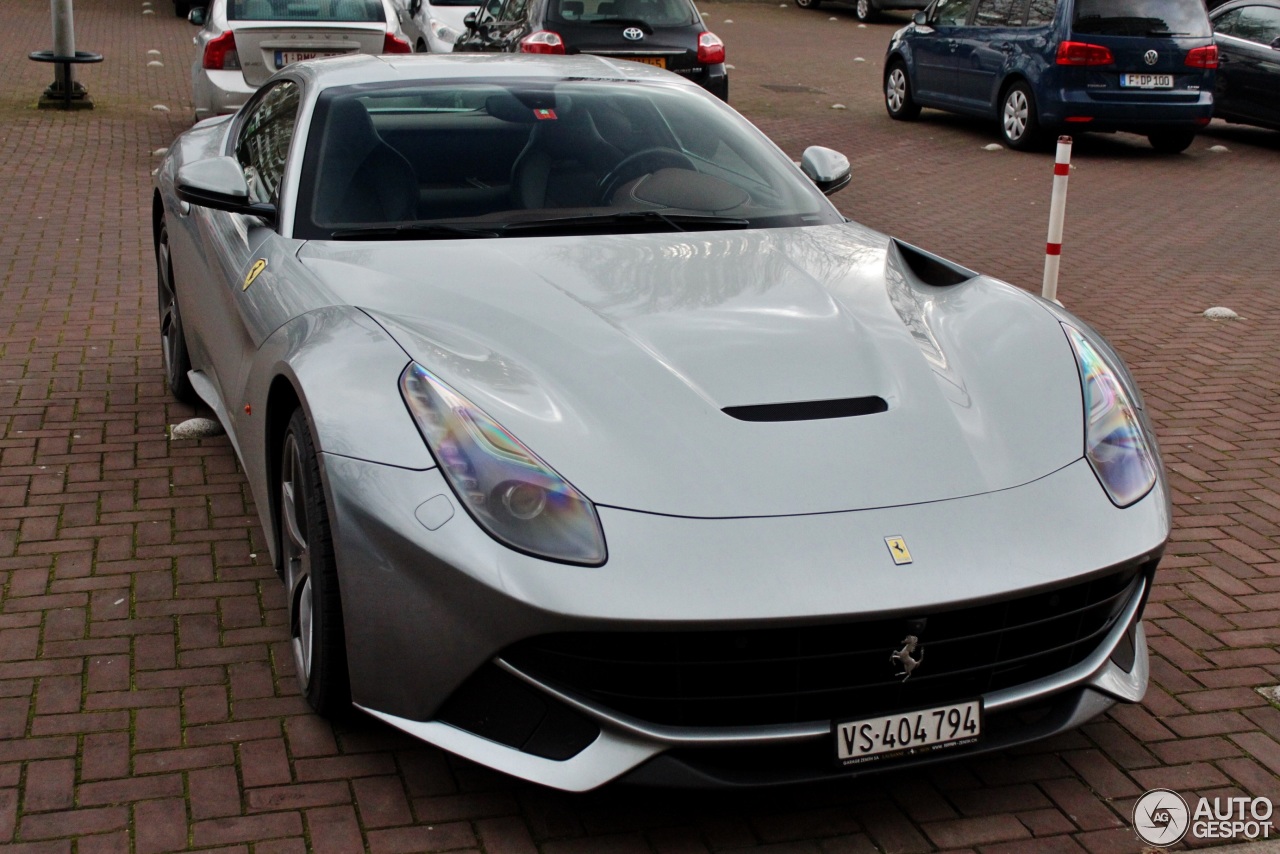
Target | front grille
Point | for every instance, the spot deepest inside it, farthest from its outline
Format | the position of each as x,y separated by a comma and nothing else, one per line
823,672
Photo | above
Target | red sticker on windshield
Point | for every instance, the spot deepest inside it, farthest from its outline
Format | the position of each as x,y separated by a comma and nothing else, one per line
544,114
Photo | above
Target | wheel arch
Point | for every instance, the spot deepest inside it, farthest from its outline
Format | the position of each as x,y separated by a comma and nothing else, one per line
282,400
157,216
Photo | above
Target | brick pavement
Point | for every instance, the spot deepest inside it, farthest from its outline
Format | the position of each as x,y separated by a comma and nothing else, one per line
146,698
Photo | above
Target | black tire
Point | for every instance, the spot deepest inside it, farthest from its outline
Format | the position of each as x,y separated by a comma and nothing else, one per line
173,340
865,11
1171,141
897,93
181,8
310,573
1018,122
808,4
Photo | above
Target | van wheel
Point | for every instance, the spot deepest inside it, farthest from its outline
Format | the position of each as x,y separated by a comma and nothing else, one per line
897,93
1018,123
1171,141
808,4
865,12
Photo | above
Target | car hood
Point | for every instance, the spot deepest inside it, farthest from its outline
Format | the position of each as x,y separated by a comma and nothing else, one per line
614,358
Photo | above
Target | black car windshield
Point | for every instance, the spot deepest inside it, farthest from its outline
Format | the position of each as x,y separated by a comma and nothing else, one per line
456,160
346,11
1141,18
655,13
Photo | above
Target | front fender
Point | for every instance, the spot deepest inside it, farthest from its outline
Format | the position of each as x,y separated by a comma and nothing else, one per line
344,371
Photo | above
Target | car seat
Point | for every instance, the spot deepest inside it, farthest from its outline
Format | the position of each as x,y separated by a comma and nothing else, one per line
563,162
360,177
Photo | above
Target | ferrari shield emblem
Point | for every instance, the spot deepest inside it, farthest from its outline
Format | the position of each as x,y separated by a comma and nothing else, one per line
258,267
898,549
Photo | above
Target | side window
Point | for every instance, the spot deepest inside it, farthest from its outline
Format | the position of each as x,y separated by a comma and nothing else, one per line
1259,24
263,144
1228,22
951,13
998,13
1040,13
513,10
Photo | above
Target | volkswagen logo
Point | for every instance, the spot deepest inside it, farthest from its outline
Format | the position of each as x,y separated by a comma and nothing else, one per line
1150,57
635,34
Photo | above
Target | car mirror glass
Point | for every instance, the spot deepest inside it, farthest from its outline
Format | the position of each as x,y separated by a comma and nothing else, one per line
920,19
827,169
196,16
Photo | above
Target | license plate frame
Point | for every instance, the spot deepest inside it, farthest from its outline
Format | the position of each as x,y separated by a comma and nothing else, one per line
1146,81
862,740
281,56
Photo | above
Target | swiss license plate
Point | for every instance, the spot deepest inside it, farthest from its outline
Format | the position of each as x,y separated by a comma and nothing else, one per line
1147,81
920,731
287,57
660,61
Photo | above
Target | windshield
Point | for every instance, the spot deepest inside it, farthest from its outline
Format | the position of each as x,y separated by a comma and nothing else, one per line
655,13
1141,18
350,11
513,159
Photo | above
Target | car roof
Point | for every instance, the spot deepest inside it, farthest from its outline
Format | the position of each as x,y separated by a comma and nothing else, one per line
406,68
1236,4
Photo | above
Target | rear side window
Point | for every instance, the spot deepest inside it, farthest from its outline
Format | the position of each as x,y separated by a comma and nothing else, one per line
1141,18
1040,12
998,13
1259,24
353,11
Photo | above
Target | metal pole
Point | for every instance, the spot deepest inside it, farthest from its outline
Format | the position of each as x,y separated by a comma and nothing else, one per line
1057,214
64,43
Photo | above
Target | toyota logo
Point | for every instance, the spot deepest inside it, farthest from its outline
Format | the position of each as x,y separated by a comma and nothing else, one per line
1150,57
635,34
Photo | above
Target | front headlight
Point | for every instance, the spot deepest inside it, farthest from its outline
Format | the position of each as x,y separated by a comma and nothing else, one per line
516,497
1115,441
443,32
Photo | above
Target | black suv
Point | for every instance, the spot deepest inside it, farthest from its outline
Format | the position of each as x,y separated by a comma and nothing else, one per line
666,33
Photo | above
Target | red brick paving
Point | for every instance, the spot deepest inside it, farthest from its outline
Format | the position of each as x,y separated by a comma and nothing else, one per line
146,695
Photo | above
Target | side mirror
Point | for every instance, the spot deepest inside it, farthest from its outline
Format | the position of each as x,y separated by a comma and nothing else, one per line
470,20
219,183
196,16
920,18
827,169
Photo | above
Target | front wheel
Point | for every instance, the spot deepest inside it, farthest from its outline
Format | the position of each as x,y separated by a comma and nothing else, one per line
310,575
865,12
808,4
897,93
1018,123
1171,141
173,340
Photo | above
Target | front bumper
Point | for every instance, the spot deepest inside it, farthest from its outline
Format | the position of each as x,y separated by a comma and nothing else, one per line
431,603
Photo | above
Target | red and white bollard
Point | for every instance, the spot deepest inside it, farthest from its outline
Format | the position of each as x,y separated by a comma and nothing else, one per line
1057,213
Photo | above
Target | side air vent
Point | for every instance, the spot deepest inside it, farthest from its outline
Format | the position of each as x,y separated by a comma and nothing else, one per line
809,410
929,269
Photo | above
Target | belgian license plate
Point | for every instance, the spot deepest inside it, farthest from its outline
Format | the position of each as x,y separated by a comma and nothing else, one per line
906,733
660,61
1147,81
287,57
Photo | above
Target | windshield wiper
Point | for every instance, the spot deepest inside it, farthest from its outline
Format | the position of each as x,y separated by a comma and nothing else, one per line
413,231
631,221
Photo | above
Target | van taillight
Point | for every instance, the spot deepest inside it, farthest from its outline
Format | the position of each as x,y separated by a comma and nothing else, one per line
710,49
220,53
1203,57
1083,53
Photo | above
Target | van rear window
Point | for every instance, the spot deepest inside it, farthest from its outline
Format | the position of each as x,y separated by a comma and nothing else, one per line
1141,18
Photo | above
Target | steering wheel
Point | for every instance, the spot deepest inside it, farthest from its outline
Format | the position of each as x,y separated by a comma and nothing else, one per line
642,162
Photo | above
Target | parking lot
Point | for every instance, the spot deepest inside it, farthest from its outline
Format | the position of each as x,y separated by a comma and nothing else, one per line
147,701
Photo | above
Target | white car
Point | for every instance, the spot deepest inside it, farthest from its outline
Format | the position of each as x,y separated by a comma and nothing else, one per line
433,26
243,42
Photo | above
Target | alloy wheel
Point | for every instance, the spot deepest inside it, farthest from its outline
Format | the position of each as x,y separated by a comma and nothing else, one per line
297,558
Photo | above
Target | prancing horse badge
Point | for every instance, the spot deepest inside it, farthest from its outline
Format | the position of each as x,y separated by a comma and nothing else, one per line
898,549
258,267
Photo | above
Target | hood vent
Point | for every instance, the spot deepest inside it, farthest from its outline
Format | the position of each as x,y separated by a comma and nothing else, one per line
809,410
929,269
